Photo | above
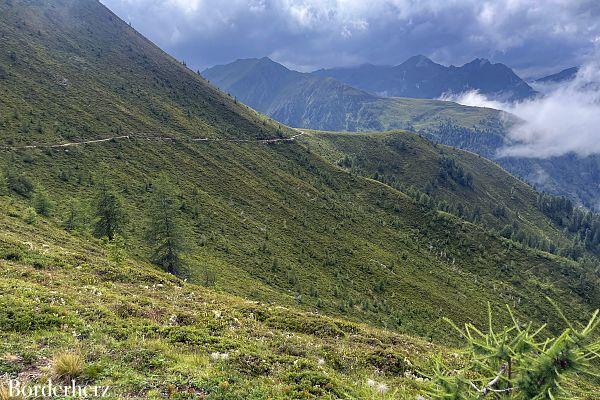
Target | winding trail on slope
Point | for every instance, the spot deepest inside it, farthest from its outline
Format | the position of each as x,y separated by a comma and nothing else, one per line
167,138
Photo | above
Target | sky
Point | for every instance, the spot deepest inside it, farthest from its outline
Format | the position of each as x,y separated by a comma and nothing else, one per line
535,37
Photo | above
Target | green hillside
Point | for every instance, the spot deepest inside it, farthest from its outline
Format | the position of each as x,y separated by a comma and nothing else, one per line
271,222
445,178
70,74
316,101
311,101
147,334
570,175
267,220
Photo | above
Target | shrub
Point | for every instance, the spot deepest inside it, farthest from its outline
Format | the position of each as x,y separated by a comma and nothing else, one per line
518,363
20,184
389,362
17,315
42,203
30,216
68,366
307,383
252,364
11,254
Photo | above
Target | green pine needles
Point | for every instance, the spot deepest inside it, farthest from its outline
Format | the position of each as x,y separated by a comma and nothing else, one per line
166,232
520,362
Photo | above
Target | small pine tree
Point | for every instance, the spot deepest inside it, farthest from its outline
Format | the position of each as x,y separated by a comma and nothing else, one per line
74,217
30,216
116,249
110,215
166,234
519,362
42,203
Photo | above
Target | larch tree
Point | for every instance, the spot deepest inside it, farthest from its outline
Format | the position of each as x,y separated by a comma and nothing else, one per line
166,233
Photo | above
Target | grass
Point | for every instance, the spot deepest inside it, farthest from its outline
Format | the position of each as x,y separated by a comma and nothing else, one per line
391,157
150,335
68,366
303,261
273,223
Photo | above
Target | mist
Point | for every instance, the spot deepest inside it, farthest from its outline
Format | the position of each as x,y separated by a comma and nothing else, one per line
564,118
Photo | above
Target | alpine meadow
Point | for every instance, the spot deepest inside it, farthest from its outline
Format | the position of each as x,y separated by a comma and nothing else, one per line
246,231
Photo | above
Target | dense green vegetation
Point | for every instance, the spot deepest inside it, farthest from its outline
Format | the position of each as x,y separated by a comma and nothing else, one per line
463,184
569,175
321,102
69,309
584,224
88,229
520,362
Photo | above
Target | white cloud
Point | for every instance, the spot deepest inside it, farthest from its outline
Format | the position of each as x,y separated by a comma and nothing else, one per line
564,120
526,34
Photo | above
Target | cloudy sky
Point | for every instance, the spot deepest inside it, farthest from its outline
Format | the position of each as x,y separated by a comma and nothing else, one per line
532,36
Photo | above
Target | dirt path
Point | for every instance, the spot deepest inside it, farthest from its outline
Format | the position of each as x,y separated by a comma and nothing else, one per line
114,138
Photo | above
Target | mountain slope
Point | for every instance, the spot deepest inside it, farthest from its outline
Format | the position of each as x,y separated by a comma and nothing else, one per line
308,101
147,334
419,77
96,77
565,75
305,101
572,176
270,221
480,190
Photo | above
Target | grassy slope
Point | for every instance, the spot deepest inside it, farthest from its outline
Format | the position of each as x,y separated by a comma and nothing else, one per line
315,102
270,218
415,162
150,335
275,222
146,334
74,71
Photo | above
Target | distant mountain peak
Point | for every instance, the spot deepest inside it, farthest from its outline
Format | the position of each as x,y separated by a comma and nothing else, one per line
480,62
420,77
419,61
566,74
266,59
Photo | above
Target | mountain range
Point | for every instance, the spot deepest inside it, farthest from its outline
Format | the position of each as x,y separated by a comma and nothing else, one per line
420,77
309,100
315,263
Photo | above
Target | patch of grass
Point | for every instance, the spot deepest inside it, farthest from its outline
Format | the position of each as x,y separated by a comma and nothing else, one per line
68,366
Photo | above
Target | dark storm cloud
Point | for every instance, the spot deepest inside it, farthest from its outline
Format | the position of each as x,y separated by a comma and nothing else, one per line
533,36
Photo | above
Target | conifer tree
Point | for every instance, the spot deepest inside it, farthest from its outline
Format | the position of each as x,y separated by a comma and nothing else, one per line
74,216
519,361
166,234
110,215
42,203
